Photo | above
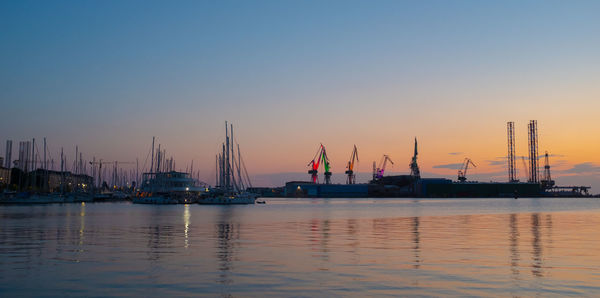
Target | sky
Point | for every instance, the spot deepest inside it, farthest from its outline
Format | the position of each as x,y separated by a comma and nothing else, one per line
109,75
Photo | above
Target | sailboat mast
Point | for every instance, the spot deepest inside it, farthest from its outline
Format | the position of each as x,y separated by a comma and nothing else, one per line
227,170
232,164
222,171
152,161
62,172
158,156
239,161
216,170
45,167
34,182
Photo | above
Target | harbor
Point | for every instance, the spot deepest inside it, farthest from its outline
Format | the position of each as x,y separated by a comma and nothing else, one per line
162,184
299,148
26,183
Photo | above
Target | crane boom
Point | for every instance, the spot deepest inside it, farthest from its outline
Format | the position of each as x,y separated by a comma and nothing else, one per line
462,173
315,162
350,171
382,164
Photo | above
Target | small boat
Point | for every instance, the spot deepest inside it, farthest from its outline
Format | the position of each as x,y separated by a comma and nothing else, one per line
242,198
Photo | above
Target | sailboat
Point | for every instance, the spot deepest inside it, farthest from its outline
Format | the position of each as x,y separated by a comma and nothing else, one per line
231,176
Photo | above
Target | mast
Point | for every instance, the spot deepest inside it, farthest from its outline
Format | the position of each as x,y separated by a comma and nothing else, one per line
45,168
232,163
222,170
137,172
93,170
238,166
62,172
227,172
216,170
34,182
152,161
158,155
75,160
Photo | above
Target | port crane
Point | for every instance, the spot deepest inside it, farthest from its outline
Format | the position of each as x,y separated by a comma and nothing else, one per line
314,164
547,181
350,172
462,173
326,165
378,171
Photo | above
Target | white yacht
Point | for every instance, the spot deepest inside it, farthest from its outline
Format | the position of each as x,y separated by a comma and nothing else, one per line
168,188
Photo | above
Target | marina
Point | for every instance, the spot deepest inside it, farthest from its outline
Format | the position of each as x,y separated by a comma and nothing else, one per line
162,184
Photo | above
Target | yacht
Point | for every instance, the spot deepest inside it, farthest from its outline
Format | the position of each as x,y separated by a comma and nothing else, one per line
168,188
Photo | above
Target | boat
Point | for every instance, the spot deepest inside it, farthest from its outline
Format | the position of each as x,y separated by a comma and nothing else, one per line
43,198
242,198
170,187
232,177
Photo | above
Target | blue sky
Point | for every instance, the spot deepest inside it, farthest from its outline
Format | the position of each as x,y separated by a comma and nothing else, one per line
108,75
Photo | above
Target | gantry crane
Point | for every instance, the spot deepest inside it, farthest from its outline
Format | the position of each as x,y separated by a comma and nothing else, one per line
462,173
350,172
378,171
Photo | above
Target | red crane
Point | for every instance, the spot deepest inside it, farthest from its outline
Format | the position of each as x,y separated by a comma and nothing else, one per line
314,164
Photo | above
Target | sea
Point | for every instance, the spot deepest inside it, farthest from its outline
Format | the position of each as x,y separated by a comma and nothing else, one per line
304,248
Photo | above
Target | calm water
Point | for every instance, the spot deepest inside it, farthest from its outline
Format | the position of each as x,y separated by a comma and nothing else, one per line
304,247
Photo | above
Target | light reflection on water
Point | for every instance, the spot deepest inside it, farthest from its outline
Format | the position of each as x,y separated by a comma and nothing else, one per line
304,247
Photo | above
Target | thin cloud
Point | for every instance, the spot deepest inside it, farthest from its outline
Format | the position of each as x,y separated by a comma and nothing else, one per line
496,162
455,153
451,166
581,168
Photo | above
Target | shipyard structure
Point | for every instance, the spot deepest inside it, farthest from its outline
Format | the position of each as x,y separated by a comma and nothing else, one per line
413,185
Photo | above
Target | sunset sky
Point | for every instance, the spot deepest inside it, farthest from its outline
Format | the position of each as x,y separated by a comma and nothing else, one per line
109,75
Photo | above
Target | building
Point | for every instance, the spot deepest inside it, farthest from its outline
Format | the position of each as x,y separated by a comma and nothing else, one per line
313,190
4,177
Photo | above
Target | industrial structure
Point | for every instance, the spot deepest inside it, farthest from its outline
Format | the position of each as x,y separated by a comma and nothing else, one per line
414,166
533,152
512,170
350,172
547,181
413,185
320,156
462,172
379,170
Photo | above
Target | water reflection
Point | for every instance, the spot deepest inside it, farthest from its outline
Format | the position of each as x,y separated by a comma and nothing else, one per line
186,225
305,252
514,245
537,246
160,235
80,244
352,232
227,234
417,242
